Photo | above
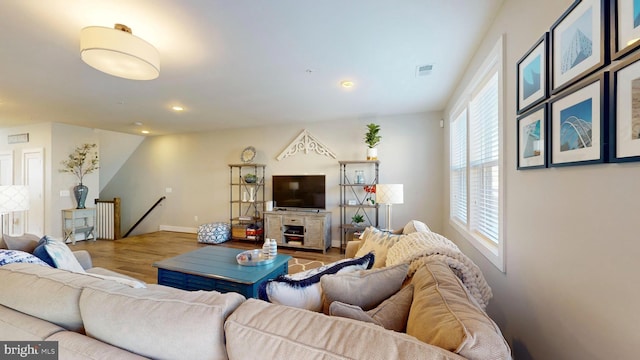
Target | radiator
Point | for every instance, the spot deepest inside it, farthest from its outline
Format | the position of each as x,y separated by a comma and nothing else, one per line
108,219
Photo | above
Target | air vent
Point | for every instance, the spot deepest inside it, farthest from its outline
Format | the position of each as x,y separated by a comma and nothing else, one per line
424,70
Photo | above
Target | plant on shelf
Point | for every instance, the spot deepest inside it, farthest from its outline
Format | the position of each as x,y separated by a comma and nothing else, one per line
372,139
250,178
357,219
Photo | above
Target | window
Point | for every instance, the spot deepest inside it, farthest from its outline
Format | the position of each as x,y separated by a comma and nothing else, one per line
475,178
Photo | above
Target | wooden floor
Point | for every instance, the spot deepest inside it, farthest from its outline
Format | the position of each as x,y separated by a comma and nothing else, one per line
135,255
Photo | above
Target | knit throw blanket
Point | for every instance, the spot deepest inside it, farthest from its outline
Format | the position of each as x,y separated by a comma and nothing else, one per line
414,248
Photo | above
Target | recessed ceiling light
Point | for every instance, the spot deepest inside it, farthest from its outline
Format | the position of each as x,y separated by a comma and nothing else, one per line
347,84
145,131
177,108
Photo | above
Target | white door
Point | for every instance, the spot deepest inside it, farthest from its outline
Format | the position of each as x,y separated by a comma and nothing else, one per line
33,175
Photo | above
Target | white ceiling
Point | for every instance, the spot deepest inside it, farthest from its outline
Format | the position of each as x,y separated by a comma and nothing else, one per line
237,63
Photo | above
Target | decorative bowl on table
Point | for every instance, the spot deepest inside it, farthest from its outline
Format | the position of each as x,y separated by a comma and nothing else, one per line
253,258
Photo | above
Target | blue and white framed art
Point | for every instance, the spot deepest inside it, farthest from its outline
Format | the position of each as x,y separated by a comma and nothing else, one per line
625,111
532,138
625,27
532,75
577,122
577,43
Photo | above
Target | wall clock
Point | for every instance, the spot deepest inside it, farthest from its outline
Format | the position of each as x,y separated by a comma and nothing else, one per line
248,154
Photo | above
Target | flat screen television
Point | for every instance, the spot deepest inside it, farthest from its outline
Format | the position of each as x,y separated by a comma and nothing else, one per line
299,191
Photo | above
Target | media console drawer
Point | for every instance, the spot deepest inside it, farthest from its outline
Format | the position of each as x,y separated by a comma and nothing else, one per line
292,220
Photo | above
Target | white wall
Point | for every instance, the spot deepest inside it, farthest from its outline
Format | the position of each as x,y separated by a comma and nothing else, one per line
115,149
195,167
571,245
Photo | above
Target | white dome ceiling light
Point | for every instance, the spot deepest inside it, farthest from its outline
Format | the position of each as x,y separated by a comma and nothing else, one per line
119,53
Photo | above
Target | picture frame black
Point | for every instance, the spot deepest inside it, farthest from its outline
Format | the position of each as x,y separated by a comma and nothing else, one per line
578,127
625,28
532,138
532,75
624,130
578,41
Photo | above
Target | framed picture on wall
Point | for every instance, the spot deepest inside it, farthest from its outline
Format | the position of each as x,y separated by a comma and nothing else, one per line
577,43
625,111
532,138
577,118
625,27
532,82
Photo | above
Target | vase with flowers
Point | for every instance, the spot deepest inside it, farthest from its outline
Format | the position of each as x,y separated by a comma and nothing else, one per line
82,161
370,191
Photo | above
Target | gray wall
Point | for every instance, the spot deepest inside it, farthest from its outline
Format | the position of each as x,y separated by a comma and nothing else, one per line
195,167
571,244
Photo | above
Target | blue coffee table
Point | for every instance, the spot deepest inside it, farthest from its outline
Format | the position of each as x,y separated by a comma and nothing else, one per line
216,268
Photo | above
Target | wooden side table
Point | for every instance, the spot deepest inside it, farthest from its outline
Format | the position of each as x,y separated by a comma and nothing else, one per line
78,221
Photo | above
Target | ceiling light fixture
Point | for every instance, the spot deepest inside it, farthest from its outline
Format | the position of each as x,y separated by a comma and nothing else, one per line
119,53
347,84
177,108
145,131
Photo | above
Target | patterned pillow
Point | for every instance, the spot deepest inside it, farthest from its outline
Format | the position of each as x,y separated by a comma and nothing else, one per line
16,256
303,290
378,242
214,233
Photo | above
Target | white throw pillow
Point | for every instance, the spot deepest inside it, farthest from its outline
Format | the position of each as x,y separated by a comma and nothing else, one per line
62,256
303,290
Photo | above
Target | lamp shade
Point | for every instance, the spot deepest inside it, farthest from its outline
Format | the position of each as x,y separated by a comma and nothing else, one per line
389,194
119,53
13,198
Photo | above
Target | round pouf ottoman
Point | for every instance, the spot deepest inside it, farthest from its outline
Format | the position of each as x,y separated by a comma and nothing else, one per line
214,233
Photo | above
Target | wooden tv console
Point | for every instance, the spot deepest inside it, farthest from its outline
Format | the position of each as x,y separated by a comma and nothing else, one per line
299,229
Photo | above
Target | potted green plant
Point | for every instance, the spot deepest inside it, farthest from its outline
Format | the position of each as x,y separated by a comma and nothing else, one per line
357,219
372,139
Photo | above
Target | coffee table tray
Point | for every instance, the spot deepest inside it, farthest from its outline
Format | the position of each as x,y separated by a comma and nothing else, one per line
253,258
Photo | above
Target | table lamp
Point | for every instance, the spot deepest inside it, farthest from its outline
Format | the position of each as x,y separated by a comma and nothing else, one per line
12,198
389,194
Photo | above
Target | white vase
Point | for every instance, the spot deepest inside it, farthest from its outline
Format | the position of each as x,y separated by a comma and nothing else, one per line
372,153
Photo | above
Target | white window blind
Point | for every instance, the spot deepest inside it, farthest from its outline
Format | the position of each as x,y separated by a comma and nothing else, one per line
476,181
484,169
458,168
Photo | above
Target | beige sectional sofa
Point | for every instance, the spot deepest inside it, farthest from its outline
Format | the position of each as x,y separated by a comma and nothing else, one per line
93,318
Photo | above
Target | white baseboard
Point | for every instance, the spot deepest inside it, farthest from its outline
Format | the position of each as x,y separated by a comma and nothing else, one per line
178,229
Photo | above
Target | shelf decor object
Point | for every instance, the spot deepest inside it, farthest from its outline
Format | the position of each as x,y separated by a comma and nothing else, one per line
389,194
119,53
